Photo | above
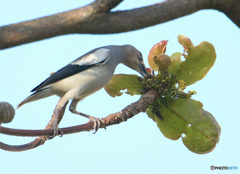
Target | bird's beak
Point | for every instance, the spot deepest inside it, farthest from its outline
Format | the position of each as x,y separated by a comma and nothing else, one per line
143,70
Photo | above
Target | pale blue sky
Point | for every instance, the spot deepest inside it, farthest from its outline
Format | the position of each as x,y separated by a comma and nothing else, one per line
136,146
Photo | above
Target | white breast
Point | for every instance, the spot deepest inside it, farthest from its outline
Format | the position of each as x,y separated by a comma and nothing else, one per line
84,83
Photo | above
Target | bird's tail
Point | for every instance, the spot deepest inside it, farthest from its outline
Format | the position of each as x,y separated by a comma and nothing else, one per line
43,93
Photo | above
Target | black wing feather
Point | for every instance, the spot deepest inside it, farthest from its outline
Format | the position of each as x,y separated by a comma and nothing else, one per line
63,73
68,70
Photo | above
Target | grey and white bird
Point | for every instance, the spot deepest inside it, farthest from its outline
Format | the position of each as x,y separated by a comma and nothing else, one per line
86,75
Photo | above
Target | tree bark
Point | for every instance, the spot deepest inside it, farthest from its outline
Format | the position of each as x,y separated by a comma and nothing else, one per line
131,110
96,18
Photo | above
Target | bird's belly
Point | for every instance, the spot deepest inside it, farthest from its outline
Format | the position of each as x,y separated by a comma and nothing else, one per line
84,83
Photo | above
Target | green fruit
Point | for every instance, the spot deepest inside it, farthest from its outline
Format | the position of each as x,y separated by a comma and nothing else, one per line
156,50
7,112
163,61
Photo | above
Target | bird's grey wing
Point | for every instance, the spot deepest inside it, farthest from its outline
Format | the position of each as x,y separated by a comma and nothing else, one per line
94,58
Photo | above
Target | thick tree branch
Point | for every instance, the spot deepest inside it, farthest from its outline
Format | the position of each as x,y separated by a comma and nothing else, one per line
61,23
131,110
96,19
231,9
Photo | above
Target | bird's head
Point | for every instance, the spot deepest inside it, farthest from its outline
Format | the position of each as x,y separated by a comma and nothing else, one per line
133,59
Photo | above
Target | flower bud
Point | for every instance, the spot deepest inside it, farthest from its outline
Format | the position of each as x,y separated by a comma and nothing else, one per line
156,50
163,61
185,41
149,70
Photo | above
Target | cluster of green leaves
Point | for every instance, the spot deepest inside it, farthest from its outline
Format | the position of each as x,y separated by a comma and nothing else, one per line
176,114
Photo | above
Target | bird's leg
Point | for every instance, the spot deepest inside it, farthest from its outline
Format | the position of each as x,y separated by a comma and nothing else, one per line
56,118
97,121
55,123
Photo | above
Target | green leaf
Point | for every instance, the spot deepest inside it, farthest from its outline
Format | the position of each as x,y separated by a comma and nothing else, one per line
121,82
175,62
185,118
199,61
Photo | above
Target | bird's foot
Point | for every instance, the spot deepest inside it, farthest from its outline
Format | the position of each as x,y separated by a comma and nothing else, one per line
54,124
97,123
55,133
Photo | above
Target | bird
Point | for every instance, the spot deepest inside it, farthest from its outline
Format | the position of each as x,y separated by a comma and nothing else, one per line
86,75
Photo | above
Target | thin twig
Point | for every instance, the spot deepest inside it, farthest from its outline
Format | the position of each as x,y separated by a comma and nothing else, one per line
38,141
128,112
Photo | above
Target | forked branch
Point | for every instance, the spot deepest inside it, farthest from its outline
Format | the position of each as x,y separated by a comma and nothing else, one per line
131,110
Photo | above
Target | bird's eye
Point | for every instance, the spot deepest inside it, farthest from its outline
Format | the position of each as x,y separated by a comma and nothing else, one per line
140,58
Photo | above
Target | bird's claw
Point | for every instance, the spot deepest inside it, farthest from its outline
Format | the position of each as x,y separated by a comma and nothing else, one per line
97,123
61,132
55,133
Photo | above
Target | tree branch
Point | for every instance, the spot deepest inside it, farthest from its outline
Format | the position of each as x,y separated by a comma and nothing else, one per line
38,141
131,110
95,18
231,9
45,27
